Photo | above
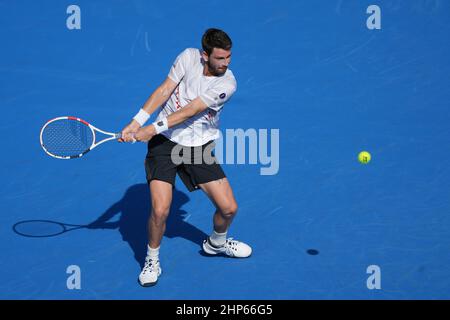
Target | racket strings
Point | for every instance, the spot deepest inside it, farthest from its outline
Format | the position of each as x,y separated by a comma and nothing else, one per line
67,137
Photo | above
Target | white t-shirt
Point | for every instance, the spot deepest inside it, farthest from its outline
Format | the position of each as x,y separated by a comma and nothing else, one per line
187,71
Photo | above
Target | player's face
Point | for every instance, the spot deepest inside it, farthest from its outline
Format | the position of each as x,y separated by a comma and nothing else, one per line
218,61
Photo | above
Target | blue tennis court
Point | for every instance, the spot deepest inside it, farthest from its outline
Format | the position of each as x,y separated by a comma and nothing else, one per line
316,85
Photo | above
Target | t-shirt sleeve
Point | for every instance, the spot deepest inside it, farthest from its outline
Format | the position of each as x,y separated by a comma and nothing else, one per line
179,66
216,96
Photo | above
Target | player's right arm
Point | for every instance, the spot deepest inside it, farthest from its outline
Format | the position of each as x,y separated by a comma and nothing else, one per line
157,98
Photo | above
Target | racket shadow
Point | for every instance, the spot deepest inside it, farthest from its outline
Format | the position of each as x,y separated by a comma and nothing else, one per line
134,210
43,228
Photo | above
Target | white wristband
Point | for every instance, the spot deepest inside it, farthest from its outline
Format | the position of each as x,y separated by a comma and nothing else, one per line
141,117
161,125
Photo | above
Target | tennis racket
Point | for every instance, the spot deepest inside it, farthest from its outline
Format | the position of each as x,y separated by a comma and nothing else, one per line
71,137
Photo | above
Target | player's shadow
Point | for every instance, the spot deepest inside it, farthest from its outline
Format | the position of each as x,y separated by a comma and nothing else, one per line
134,210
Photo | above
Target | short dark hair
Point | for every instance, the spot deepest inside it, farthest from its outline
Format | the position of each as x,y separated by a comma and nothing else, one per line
215,38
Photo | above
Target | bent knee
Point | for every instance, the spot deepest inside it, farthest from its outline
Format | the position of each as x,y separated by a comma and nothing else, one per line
230,209
160,211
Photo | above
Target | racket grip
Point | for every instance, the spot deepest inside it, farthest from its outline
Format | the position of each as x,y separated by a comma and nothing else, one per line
119,135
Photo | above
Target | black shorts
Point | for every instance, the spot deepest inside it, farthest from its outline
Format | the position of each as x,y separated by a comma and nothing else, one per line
159,164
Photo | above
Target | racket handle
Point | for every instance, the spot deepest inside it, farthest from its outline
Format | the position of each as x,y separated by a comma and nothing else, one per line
119,135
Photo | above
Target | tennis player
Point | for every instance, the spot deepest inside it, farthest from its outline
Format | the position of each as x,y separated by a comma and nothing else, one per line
189,104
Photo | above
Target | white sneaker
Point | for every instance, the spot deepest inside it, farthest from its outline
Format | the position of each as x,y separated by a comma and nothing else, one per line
232,248
150,273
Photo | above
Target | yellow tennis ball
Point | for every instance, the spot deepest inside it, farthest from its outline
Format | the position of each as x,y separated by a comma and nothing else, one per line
364,157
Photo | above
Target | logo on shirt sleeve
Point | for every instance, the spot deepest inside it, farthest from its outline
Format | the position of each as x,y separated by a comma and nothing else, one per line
222,95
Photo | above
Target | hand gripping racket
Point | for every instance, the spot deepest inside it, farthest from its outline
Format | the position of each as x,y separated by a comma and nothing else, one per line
71,137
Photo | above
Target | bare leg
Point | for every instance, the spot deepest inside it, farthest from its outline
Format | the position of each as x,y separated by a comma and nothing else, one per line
161,195
221,194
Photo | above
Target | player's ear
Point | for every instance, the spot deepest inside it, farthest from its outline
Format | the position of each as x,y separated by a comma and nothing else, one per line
205,56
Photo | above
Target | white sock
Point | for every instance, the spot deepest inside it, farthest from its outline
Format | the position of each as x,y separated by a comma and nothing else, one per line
153,253
218,239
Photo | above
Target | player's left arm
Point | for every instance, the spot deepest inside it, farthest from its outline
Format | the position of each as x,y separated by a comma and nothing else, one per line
214,99
195,107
